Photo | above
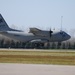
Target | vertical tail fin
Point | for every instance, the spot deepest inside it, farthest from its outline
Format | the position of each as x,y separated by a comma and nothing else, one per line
3,24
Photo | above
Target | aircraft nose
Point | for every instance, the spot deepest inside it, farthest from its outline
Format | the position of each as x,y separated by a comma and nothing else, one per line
65,36
69,36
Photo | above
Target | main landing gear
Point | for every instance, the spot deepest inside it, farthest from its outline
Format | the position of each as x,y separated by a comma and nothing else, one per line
38,45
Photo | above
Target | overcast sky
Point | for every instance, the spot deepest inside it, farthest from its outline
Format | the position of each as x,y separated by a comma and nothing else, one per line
42,14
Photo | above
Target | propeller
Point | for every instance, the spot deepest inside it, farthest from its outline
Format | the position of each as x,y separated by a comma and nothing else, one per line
50,33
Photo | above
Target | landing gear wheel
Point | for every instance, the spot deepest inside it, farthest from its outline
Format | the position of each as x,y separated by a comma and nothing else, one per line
39,45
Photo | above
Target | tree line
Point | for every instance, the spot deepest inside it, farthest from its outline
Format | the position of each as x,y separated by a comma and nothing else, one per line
51,45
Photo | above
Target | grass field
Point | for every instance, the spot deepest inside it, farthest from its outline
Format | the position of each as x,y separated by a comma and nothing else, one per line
61,57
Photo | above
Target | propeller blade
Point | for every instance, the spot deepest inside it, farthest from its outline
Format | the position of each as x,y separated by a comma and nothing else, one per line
50,33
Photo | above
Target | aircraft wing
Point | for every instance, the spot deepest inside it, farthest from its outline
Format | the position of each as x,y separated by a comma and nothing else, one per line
34,30
37,32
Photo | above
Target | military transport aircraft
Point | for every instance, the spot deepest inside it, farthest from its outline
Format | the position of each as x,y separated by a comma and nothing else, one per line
34,35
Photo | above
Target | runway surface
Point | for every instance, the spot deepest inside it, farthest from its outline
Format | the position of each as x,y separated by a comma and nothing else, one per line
35,69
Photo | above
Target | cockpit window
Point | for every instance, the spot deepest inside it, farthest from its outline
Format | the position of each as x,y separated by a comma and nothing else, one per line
61,33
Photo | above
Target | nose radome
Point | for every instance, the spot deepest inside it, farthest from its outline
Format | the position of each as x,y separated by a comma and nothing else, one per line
68,37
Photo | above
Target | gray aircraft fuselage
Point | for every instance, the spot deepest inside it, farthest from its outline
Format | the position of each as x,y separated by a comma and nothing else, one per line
26,37
35,35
